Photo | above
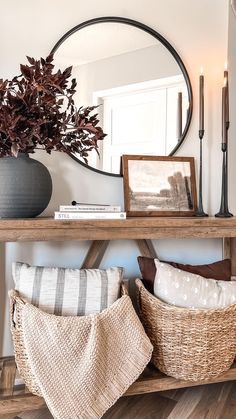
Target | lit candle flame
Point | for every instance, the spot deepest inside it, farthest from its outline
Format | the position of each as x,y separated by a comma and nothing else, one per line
226,66
201,70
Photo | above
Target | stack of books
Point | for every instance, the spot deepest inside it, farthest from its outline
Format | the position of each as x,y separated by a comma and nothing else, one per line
89,212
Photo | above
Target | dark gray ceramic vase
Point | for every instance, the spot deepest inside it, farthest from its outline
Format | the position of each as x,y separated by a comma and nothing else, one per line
25,187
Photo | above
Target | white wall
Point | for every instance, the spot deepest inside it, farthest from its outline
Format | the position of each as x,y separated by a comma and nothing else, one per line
198,31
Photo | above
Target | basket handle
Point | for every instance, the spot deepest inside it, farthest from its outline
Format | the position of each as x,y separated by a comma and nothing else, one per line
139,286
139,283
14,298
124,288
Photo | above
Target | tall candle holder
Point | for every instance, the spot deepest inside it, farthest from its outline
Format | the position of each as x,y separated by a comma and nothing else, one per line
200,212
224,210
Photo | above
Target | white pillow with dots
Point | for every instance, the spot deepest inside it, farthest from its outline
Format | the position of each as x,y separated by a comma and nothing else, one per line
185,289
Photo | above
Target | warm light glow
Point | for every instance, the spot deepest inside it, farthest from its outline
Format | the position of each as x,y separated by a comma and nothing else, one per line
225,81
226,66
201,70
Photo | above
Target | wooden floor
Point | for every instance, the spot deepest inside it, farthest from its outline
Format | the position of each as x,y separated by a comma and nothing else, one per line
213,401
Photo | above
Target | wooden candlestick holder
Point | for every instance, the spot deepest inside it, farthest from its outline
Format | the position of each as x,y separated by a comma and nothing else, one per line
200,212
224,210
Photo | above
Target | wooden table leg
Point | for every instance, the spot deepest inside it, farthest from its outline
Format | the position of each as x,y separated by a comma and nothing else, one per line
7,376
95,254
230,252
227,247
146,248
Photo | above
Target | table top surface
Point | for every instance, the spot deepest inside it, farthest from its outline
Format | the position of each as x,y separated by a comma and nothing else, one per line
42,228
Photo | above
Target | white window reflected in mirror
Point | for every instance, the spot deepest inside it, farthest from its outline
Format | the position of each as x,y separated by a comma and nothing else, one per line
136,116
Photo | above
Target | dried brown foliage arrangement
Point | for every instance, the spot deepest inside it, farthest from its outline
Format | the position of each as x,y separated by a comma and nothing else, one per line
37,111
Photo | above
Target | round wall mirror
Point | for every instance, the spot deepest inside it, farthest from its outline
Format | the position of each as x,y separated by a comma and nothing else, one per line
139,82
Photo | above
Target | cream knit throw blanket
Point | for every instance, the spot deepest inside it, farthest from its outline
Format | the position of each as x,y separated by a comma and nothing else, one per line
79,365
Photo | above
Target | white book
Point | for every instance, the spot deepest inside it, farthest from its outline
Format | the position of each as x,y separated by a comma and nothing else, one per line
90,208
66,215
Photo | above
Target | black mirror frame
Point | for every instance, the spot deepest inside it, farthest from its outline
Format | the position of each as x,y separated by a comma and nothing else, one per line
160,38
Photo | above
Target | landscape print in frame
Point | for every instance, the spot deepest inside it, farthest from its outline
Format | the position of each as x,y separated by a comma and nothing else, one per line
159,186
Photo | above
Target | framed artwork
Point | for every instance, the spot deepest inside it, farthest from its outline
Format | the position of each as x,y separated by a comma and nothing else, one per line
159,186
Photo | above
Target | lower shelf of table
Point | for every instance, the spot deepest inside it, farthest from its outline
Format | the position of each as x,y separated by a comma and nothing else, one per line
19,399
153,380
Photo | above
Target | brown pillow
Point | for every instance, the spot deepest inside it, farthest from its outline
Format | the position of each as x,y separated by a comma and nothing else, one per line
217,270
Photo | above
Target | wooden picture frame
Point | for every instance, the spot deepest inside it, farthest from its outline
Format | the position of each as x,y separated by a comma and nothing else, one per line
159,186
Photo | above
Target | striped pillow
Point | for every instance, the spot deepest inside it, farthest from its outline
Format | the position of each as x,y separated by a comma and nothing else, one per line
64,291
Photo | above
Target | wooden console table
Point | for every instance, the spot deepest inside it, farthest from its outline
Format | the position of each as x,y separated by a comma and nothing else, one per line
100,232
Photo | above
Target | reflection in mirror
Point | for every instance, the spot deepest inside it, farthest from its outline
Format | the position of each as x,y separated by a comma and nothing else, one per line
142,92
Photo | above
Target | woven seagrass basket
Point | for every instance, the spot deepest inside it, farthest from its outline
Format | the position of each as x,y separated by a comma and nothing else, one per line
190,344
16,306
